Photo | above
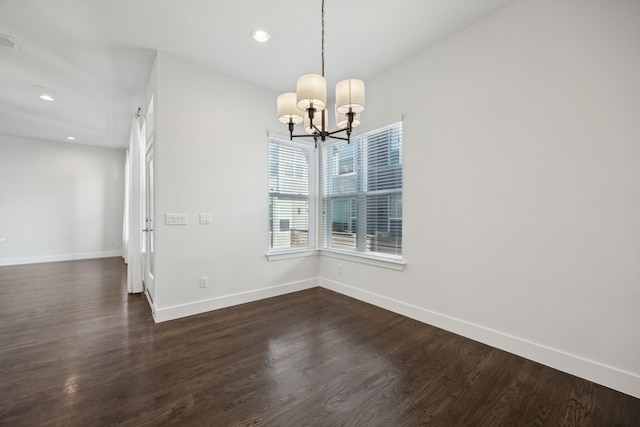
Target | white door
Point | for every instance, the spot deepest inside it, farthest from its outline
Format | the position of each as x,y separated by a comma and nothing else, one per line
149,247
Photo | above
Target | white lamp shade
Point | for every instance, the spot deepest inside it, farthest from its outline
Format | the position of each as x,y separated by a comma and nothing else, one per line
317,119
350,96
287,109
342,121
311,89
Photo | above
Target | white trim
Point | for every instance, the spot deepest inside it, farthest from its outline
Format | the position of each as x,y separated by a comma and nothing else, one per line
378,261
311,197
150,301
56,258
290,254
609,376
197,307
136,204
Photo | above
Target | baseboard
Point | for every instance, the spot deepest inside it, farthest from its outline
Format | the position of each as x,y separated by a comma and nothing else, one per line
56,258
169,313
617,379
150,301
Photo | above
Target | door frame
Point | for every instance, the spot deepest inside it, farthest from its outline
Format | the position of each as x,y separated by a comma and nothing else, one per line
148,253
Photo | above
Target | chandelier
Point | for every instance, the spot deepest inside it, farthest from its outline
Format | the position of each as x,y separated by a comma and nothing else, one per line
308,104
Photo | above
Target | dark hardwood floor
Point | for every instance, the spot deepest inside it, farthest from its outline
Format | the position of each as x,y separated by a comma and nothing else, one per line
76,350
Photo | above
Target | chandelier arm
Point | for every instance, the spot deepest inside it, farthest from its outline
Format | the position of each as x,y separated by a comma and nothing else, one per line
317,134
340,138
291,127
335,132
311,111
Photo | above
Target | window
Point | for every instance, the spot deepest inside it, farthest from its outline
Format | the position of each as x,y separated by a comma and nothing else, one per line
292,174
362,193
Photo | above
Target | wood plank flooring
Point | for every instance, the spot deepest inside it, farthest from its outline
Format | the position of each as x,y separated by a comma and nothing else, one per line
76,350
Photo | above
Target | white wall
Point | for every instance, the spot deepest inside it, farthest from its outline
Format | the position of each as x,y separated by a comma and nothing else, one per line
211,157
522,191
522,186
59,201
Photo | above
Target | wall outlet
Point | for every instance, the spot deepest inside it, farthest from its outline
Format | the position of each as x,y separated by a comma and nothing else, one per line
204,281
339,268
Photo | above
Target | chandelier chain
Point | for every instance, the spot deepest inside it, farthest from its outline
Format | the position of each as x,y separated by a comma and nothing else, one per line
299,107
322,50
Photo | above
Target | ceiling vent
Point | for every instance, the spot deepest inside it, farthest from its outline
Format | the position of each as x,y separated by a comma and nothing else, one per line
7,41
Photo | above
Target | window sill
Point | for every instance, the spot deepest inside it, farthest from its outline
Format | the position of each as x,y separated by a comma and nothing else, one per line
378,261
291,254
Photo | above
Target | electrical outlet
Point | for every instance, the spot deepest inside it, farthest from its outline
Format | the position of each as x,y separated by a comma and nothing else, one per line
204,281
339,268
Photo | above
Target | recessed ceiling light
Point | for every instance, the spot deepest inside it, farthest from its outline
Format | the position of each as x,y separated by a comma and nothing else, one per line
260,36
43,93
71,138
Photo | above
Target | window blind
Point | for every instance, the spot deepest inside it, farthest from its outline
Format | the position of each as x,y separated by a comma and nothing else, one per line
362,193
292,194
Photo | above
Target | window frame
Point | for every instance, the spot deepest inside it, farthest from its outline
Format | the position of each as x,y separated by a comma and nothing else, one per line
316,239
362,192
292,173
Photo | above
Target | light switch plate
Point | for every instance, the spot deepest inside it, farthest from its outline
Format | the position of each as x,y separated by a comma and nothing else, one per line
205,218
176,219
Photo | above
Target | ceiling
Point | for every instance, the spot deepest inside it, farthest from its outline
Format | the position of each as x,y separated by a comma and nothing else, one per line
94,56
